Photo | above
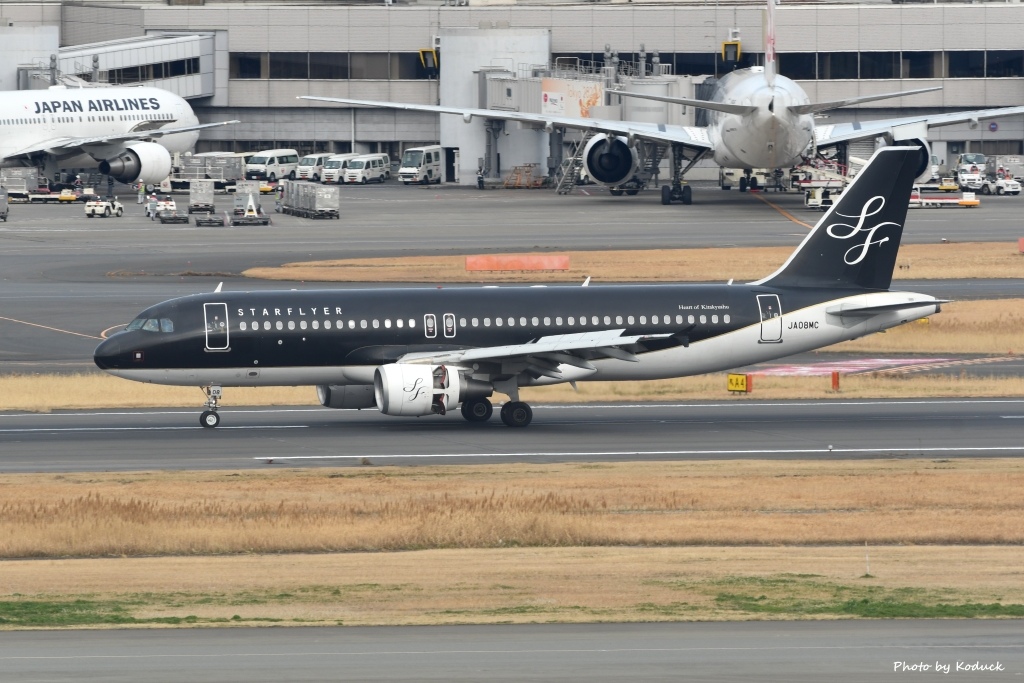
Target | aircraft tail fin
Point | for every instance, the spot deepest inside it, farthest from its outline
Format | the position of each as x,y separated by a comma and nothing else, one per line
770,65
855,243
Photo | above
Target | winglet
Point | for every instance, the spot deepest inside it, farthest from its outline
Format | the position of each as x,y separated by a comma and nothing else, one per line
217,291
586,283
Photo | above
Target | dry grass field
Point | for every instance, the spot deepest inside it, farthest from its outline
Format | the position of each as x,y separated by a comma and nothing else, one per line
917,261
515,543
962,501
516,585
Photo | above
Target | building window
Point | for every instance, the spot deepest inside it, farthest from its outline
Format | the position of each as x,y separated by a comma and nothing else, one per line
245,65
921,64
289,65
1004,63
837,65
369,65
328,65
406,66
800,66
967,64
694,64
880,65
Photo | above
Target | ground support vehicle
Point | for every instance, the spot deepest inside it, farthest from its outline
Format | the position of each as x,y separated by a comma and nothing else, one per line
948,185
967,200
156,204
421,165
252,214
311,200
200,196
217,220
1000,186
1005,166
17,183
820,198
173,216
103,206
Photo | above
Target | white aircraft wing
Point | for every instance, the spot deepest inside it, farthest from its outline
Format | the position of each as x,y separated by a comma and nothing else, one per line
828,134
690,136
66,145
554,349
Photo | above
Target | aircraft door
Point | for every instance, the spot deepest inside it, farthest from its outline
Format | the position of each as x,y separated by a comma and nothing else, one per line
430,325
449,325
771,318
216,316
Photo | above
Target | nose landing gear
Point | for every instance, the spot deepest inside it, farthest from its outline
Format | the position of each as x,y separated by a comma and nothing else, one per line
209,417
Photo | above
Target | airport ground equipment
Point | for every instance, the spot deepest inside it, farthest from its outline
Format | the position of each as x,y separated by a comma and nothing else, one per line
3,205
243,190
252,214
173,216
311,200
200,196
103,207
217,220
19,183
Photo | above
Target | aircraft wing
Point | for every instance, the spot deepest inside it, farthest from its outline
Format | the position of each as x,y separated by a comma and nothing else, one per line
545,353
690,136
67,145
842,132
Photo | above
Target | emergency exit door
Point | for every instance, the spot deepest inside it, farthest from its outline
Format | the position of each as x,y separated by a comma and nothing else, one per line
771,318
216,316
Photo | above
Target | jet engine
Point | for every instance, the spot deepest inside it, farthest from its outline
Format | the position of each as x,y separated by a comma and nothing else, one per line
147,162
610,160
924,162
354,396
413,390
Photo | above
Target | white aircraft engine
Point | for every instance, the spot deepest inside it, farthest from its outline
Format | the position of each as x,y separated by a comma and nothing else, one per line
412,390
147,162
610,160
354,396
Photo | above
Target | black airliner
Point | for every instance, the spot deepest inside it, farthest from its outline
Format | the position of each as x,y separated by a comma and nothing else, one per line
415,352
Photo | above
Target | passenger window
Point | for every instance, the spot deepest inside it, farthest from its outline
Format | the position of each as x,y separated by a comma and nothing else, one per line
725,319
487,322
522,322
618,320
714,318
703,319
594,320
291,324
607,320
643,320
679,320
498,322
571,321
400,322
689,319
535,321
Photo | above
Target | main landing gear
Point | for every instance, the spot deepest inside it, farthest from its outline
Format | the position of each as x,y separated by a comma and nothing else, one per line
676,191
210,418
513,413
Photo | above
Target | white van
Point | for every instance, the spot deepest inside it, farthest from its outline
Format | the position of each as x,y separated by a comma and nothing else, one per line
335,167
311,167
421,165
272,164
369,167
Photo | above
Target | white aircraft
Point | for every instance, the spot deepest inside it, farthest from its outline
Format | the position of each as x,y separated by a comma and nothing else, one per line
126,132
759,119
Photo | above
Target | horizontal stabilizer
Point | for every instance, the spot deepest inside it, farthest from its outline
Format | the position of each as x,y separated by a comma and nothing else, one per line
817,107
860,311
740,109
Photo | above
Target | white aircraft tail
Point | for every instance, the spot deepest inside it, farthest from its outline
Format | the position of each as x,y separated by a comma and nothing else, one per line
770,65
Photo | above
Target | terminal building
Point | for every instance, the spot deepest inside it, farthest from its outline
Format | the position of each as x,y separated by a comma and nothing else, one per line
251,61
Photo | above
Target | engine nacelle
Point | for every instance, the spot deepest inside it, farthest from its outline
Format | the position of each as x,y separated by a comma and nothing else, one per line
346,397
147,162
413,390
924,162
610,160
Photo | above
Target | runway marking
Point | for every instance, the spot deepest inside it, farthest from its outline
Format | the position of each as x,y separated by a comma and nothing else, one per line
46,327
138,429
773,648
785,213
593,454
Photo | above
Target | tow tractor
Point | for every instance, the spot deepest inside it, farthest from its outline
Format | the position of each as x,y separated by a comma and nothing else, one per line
103,206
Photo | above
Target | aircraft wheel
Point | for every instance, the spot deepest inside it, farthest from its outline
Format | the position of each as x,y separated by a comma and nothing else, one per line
632,193
516,414
666,195
753,183
743,184
687,193
477,410
209,419
615,192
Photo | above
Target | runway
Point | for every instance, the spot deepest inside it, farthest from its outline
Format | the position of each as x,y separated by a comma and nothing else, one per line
125,440
837,651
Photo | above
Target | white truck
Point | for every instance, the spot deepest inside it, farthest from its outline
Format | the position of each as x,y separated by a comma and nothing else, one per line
103,206
421,165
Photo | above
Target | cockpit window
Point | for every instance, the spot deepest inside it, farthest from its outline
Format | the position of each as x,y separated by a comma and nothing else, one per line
152,325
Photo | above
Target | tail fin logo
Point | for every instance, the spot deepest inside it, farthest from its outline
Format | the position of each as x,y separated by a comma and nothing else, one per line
845,231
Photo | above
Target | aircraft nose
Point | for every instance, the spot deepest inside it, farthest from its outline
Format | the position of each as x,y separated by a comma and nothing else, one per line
107,352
